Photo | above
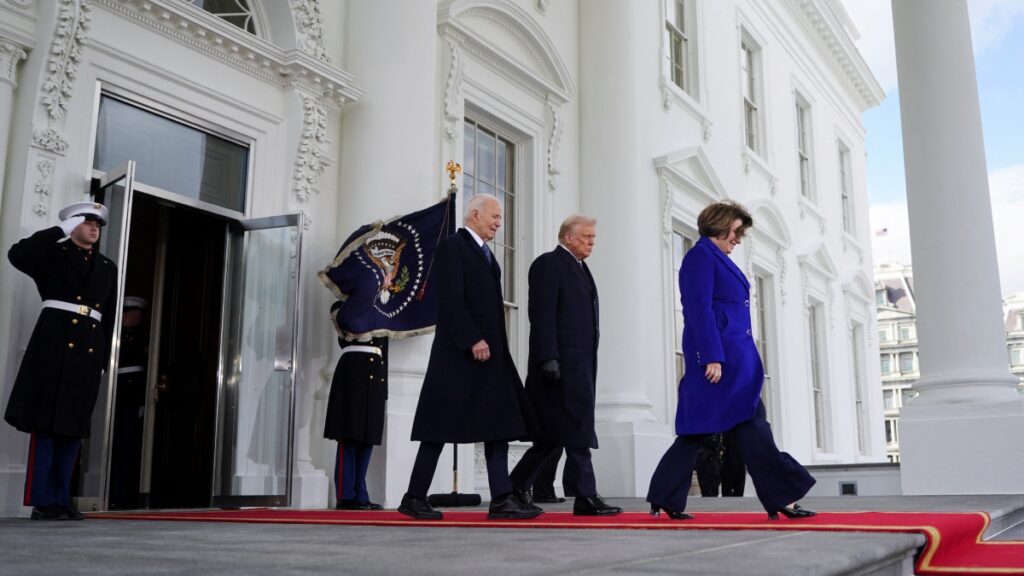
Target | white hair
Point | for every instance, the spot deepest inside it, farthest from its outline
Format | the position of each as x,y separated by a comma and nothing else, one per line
570,224
477,202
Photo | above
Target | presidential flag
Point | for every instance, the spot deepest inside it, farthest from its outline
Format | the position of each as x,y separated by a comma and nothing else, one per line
381,275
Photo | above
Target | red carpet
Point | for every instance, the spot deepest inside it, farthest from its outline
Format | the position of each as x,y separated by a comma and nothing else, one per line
954,544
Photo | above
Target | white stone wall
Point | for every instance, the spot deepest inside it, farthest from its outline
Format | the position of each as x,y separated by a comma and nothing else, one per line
580,86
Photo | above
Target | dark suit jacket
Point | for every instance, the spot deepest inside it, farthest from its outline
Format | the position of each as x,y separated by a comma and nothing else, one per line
464,400
59,378
563,326
716,328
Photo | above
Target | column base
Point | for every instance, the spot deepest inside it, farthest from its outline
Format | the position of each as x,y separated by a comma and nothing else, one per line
309,487
12,492
628,455
967,448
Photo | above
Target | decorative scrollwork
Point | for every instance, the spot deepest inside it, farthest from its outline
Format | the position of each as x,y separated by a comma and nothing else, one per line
309,27
65,56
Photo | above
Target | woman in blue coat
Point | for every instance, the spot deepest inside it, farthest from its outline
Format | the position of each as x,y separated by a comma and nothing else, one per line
721,388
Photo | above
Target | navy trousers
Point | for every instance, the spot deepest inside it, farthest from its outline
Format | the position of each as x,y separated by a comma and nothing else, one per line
51,462
350,470
778,479
578,475
495,453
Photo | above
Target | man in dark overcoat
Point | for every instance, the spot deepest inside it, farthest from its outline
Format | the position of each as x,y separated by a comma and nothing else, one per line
355,415
471,391
55,391
562,377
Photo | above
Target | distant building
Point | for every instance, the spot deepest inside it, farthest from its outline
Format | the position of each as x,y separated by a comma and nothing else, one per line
897,343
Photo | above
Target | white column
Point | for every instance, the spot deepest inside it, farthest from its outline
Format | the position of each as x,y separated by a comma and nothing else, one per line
962,433
10,55
388,167
619,187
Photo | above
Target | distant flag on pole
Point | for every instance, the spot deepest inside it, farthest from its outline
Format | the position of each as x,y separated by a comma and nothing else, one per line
882,232
401,248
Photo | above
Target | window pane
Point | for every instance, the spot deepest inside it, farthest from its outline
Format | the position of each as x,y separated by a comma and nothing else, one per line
469,149
171,155
886,361
502,153
485,157
906,362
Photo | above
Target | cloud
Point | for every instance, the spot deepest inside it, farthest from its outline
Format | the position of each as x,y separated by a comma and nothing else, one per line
1006,189
991,21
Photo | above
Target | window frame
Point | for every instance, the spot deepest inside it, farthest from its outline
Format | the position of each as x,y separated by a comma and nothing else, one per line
805,146
847,202
752,91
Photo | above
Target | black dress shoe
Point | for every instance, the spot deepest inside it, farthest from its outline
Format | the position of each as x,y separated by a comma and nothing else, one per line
48,513
348,504
367,505
418,508
510,507
526,497
593,506
795,512
657,508
548,498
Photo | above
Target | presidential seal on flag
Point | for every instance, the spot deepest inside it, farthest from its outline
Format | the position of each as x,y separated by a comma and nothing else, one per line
381,275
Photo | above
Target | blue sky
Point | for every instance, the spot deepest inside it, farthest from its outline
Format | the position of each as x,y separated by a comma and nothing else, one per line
998,35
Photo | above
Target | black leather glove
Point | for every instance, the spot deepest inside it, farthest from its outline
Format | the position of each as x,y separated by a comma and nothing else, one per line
549,371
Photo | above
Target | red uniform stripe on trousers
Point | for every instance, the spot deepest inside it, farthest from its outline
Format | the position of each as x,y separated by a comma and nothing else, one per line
31,468
339,467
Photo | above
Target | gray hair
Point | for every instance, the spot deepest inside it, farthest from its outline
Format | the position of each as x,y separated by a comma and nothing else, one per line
477,202
570,224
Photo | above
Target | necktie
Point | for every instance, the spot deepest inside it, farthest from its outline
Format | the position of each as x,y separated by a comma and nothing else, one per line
487,252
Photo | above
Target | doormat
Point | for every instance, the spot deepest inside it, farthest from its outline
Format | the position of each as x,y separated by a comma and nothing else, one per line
954,544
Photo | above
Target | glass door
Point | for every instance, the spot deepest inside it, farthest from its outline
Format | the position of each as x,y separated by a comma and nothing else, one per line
255,402
115,190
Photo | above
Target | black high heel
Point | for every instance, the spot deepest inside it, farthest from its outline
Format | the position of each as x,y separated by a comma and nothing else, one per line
795,512
657,508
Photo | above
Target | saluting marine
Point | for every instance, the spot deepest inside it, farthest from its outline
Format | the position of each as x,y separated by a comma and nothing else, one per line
59,378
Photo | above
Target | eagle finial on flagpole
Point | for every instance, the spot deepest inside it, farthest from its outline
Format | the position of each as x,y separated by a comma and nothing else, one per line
453,168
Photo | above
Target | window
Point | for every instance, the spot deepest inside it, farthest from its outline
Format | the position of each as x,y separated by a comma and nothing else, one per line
886,360
906,362
235,12
170,155
856,357
488,167
883,334
845,189
892,435
881,298
906,331
750,65
1020,321
678,31
889,398
760,302
803,145
681,244
817,375
1016,355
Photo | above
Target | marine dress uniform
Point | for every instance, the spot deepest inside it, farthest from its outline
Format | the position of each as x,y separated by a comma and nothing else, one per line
355,417
57,383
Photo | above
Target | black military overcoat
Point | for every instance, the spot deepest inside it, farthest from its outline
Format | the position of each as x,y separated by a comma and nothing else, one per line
359,393
59,377
464,400
564,326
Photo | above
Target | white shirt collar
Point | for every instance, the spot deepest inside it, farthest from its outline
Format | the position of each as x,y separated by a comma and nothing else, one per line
479,240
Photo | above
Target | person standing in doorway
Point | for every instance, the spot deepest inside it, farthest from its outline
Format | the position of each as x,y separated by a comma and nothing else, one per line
130,407
59,378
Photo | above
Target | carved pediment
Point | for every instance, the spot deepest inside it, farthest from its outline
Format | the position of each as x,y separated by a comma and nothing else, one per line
505,38
769,222
818,260
689,169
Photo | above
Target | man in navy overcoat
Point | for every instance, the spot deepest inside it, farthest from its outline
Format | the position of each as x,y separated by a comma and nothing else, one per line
561,382
471,391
